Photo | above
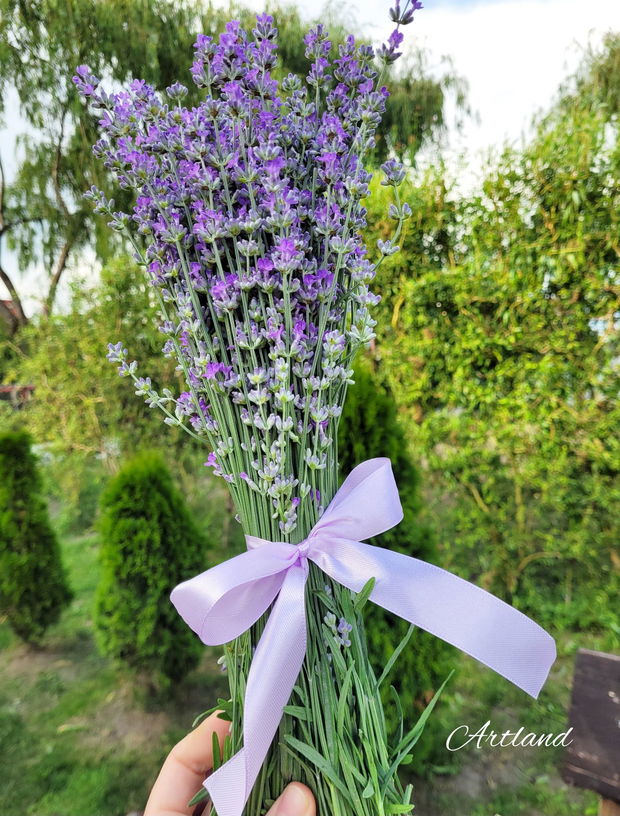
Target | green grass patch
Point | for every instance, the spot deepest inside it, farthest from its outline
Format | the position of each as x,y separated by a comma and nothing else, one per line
74,738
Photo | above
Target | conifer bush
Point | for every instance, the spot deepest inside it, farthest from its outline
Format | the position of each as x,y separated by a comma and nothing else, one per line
33,583
370,427
149,544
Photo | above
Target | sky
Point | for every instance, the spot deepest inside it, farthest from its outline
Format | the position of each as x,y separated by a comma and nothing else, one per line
514,54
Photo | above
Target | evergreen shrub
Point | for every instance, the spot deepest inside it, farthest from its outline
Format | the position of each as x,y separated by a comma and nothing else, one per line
149,543
33,583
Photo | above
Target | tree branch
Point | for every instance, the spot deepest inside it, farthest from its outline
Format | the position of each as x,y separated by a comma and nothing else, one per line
478,498
68,245
22,320
60,268
18,313
7,227
56,168
2,185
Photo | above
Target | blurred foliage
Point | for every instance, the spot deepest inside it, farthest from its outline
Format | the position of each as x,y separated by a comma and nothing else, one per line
596,83
416,109
82,411
41,44
370,428
33,584
499,332
149,544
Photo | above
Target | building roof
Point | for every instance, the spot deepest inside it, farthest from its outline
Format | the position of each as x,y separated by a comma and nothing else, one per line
10,306
10,389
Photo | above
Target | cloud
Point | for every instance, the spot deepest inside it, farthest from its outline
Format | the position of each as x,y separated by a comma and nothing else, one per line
514,53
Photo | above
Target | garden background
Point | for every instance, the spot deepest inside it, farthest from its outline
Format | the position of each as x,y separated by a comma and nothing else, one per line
492,385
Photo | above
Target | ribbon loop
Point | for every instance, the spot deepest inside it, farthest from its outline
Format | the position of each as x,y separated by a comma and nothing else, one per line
226,600
366,505
223,602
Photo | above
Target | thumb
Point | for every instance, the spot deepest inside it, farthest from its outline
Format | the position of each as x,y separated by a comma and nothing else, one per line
295,800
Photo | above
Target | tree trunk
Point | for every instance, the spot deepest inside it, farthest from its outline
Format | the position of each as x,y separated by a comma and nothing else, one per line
61,265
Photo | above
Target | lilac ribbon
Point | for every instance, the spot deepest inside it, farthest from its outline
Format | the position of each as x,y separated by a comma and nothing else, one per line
223,602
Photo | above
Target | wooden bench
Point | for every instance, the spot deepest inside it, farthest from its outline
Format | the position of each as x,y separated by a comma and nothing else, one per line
593,758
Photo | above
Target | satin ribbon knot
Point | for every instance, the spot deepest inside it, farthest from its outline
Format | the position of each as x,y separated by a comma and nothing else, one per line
223,602
303,550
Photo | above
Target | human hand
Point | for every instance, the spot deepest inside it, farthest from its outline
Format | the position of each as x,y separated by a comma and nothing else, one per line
186,766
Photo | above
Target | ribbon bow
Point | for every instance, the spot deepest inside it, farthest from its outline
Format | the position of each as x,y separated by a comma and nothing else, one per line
223,602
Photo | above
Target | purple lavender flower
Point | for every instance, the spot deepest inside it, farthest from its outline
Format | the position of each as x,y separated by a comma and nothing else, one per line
404,16
249,210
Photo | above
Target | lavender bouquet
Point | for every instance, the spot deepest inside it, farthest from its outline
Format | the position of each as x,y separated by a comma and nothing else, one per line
250,208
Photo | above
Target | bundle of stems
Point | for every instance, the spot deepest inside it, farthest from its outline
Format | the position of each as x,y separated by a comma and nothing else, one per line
247,219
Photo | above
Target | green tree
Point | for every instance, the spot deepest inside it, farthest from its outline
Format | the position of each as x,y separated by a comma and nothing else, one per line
85,414
416,110
501,341
33,584
149,544
89,418
369,427
43,216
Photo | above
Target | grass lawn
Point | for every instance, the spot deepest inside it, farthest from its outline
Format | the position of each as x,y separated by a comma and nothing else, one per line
76,741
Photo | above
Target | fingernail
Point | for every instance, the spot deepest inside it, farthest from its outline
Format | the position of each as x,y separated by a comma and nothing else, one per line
294,801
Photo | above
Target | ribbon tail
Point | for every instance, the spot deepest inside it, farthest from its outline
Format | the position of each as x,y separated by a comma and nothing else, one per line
448,607
275,667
